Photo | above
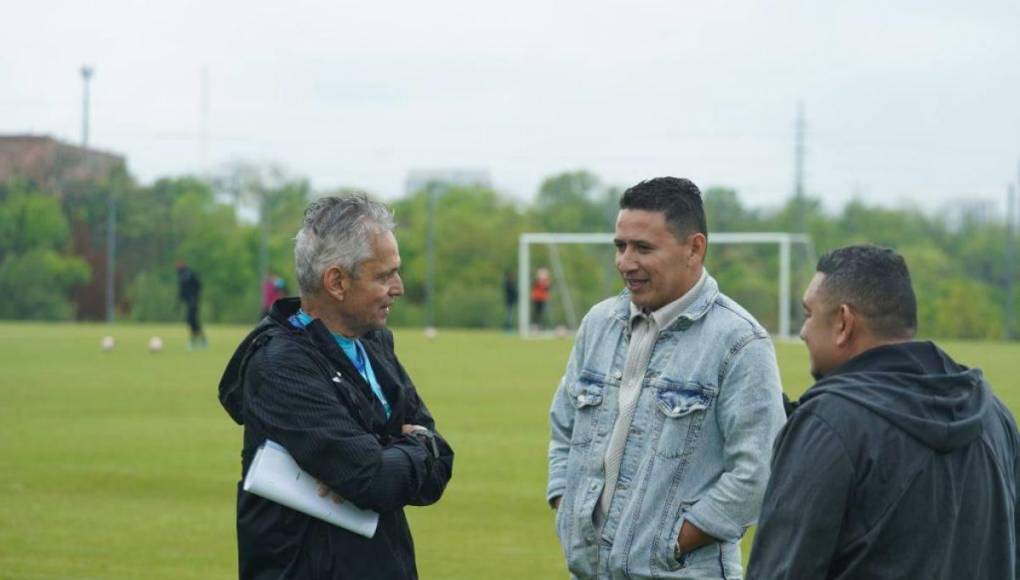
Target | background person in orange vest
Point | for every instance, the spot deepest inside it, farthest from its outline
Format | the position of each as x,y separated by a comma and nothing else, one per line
539,296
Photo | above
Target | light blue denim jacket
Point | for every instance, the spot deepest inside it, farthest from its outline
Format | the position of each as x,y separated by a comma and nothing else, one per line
698,448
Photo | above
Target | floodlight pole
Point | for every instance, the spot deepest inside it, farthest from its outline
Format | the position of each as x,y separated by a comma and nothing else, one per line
263,234
432,192
111,252
86,76
111,201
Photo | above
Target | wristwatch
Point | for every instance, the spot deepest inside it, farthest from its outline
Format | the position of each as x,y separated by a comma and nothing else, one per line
426,438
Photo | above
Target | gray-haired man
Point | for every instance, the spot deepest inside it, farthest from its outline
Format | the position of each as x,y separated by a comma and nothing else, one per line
319,376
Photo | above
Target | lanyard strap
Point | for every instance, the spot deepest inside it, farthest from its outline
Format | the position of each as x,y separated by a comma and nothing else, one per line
360,360
361,364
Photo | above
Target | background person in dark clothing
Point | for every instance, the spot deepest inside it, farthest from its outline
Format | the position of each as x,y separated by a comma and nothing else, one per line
319,376
189,291
899,462
509,299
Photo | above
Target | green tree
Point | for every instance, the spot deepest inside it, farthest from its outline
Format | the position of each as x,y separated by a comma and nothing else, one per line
36,273
725,213
476,241
189,223
572,202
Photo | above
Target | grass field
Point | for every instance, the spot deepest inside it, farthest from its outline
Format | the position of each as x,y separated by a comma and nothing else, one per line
123,465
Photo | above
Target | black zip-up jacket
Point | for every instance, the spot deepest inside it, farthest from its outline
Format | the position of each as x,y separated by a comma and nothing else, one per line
296,387
189,286
900,464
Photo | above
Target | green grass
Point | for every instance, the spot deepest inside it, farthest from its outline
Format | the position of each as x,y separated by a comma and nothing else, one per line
123,464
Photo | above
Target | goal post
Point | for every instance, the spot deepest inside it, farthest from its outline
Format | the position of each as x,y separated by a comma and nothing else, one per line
784,240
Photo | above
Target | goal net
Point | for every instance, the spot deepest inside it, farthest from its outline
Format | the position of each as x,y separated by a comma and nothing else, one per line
758,269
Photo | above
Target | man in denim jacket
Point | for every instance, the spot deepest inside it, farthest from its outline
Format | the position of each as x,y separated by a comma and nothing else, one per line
663,423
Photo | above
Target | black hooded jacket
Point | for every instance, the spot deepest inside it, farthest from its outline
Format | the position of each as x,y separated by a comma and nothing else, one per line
296,387
900,464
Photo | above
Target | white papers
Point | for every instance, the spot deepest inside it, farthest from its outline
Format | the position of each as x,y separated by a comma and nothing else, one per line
275,476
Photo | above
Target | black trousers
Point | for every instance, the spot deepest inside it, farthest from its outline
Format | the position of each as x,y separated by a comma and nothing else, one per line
192,317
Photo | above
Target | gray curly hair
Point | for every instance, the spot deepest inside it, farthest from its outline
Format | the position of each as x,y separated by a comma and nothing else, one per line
337,231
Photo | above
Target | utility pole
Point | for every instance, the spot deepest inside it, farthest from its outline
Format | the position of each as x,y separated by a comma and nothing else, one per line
799,207
798,171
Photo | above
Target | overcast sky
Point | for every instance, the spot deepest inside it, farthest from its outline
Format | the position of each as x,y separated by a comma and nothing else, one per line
907,100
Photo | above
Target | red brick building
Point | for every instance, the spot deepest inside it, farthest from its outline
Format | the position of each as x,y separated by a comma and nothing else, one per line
66,170
52,164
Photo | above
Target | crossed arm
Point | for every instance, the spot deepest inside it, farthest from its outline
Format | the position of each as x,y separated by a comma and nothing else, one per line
292,405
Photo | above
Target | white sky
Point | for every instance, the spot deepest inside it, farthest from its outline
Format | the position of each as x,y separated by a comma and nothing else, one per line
909,100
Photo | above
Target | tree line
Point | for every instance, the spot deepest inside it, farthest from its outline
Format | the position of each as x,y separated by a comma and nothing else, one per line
229,228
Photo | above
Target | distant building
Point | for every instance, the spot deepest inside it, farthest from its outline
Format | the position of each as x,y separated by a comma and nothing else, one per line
52,164
61,169
421,178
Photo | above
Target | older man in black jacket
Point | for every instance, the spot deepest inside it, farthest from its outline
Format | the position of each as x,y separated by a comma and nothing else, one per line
319,376
899,462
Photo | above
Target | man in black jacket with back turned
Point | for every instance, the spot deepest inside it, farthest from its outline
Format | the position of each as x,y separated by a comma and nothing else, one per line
319,377
189,291
898,463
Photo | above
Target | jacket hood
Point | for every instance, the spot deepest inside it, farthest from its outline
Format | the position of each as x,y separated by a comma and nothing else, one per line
231,390
918,388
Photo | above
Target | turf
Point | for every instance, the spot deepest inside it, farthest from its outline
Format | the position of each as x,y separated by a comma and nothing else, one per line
123,465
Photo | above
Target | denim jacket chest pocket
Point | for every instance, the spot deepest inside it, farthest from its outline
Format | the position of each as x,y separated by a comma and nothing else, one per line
587,395
682,406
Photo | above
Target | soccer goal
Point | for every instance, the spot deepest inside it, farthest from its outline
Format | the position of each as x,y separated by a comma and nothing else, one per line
784,241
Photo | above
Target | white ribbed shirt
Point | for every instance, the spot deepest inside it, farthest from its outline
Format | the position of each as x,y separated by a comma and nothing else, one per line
645,328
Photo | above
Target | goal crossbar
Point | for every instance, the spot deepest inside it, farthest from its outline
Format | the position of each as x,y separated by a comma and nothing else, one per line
782,239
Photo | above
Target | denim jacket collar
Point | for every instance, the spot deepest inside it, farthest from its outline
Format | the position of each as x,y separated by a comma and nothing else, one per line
695,311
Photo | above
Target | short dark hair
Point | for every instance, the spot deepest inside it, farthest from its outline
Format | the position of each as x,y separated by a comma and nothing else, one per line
875,282
678,198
